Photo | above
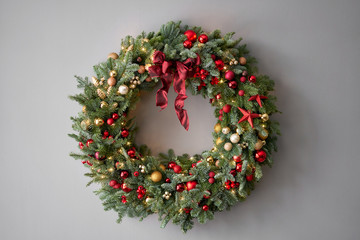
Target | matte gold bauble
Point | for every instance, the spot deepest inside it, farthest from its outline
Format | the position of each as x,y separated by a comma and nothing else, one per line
113,55
162,167
217,127
242,61
259,144
98,122
156,176
264,117
263,136
84,109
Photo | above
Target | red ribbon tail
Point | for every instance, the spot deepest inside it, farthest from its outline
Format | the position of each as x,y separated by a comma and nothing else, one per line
161,94
180,112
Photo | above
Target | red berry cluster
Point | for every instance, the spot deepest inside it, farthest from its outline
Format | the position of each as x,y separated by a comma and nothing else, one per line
106,134
231,184
191,37
214,81
141,192
123,199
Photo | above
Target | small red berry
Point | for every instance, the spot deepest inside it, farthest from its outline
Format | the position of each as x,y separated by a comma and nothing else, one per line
211,174
211,180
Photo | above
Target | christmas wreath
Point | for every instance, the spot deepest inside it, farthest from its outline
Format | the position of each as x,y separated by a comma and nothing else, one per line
177,188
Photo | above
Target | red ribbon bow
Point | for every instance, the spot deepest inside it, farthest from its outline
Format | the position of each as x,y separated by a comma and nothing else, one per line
167,75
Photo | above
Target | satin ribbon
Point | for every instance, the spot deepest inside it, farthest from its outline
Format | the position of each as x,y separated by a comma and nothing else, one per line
177,74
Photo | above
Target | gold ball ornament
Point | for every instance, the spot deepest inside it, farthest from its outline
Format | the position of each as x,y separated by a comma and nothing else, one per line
156,176
85,124
98,122
113,73
132,86
162,167
123,89
234,138
259,144
227,146
210,160
264,135
113,55
84,109
141,69
218,141
111,81
265,117
225,130
217,127
242,61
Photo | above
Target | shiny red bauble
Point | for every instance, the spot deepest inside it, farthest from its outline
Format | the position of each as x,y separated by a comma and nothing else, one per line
191,185
187,44
260,156
211,174
125,133
115,116
110,121
227,108
252,79
238,167
232,84
131,153
229,75
237,158
117,186
218,96
136,173
180,187
106,134
203,38
171,165
241,92
243,79
177,169
88,142
191,35
124,174
211,180
233,172
205,207
81,145
97,155
167,180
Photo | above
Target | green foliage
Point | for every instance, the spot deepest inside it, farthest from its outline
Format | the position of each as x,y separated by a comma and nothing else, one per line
108,156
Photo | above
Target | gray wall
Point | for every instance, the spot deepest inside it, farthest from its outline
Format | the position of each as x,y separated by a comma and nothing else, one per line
311,49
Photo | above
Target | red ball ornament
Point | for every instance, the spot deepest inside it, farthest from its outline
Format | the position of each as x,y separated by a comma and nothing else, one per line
81,145
237,158
187,44
211,174
97,155
213,57
124,174
191,35
124,133
110,121
177,169
125,188
249,178
167,180
115,116
140,196
220,111
241,92
242,79
187,210
218,96
252,79
232,84
117,186
233,172
131,153
180,187
219,64
238,167
211,180
171,165
229,75
136,173
260,156
205,207
106,134
112,183
191,185
88,142
203,38
227,108
220,117
207,196
123,199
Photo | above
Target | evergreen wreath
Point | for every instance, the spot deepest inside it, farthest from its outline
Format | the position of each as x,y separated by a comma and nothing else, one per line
177,188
